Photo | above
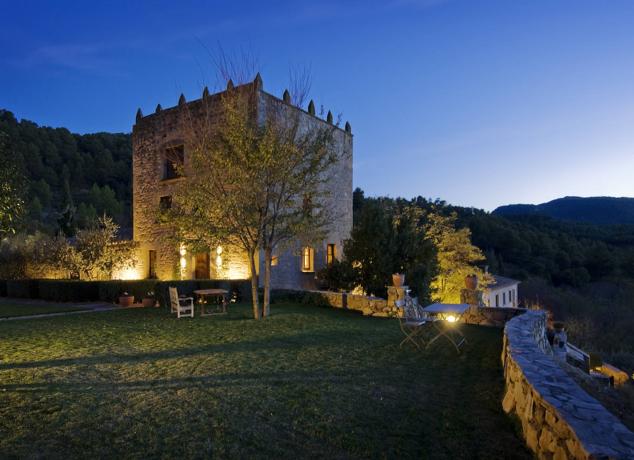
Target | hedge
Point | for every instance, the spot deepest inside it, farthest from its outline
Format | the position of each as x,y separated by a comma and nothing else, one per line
109,291
27,289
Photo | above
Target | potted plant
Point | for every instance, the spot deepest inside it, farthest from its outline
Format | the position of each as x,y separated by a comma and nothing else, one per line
471,282
125,299
149,300
398,279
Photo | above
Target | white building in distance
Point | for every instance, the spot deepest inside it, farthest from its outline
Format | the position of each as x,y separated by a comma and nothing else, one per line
502,293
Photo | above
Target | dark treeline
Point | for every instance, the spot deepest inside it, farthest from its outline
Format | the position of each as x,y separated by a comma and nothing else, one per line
389,231
89,173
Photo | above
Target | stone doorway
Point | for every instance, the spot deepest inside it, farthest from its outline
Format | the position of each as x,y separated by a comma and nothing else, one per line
201,271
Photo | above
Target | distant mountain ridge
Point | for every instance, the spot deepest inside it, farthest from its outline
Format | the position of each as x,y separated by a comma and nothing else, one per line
602,210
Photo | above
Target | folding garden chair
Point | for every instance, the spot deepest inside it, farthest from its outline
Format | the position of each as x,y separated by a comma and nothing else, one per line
412,321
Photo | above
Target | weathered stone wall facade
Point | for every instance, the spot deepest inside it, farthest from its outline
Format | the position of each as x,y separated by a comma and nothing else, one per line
559,420
154,134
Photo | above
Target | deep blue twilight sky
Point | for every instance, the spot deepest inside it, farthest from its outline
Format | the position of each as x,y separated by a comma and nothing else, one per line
480,103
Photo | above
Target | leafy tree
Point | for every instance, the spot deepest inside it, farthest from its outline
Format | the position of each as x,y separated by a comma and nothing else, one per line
387,237
11,189
456,257
97,253
104,200
35,209
42,191
86,215
368,250
255,180
33,256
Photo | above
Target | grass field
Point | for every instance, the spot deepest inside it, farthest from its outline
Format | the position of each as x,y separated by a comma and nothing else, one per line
307,382
15,307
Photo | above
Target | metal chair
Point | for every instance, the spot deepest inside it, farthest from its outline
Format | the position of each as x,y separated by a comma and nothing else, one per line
183,306
412,321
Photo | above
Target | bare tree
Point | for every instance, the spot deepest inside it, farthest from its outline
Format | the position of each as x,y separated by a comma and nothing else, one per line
256,174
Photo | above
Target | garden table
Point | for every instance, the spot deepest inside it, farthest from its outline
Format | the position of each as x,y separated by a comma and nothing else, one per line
220,296
448,316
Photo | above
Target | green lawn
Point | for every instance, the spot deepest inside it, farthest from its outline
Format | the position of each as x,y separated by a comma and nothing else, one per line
307,382
14,307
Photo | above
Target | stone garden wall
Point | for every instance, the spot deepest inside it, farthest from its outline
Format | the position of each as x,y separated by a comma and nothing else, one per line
490,316
559,420
368,305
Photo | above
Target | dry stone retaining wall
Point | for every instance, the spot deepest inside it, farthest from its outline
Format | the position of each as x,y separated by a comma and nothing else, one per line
559,419
490,316
368,305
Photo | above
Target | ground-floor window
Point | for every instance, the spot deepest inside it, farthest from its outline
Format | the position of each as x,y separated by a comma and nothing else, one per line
330,253
151,263
307,259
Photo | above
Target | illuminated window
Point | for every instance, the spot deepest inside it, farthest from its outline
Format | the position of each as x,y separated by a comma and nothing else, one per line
330,254
174,162
307,259
274,261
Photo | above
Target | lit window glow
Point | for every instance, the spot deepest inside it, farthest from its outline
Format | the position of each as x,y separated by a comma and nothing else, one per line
307,259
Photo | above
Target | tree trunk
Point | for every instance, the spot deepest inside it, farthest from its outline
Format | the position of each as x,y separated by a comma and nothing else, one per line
254,285
266,304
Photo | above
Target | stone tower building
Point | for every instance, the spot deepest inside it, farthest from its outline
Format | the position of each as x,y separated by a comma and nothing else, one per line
159,138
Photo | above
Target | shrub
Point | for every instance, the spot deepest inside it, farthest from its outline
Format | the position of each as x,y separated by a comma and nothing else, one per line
109,291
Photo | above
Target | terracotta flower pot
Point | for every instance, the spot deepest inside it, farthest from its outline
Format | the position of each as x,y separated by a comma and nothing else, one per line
148,302
471,282
126,300
398,279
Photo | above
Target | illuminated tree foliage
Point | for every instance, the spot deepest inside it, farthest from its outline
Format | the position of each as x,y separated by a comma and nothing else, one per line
455,256
97,253
11,189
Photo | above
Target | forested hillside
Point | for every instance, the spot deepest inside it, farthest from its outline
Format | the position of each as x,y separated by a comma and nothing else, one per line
89,173
603,210
92,174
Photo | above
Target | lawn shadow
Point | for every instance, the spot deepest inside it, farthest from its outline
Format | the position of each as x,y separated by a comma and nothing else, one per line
270,343
246,379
